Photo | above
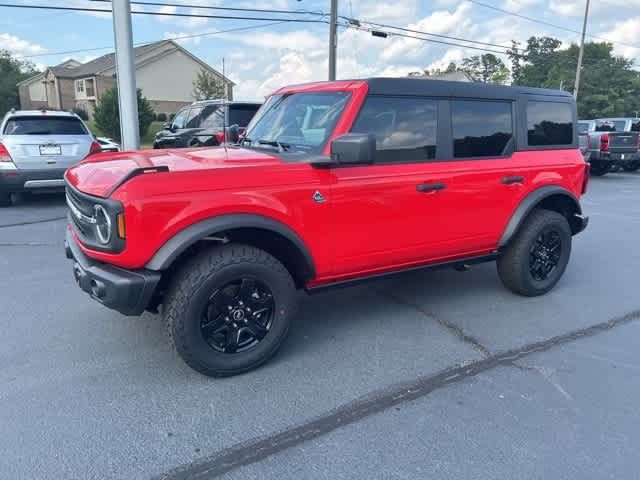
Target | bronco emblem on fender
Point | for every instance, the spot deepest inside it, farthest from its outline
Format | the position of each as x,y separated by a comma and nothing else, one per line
318,197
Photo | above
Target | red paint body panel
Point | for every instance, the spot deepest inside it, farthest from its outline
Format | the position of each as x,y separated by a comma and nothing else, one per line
373,218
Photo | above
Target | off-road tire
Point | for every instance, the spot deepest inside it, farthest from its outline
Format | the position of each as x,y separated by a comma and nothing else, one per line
5,200
598,170
631,166
514,262
190,289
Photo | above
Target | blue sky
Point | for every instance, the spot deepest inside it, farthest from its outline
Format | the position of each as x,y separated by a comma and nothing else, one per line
261,60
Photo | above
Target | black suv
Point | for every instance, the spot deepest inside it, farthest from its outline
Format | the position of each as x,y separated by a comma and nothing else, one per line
203,124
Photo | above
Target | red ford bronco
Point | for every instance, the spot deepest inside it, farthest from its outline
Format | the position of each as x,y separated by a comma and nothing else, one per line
333,183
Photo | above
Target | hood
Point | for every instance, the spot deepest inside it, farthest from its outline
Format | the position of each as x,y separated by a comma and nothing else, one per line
99,174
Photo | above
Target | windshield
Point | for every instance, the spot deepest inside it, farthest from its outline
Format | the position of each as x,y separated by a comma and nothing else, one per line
611,126
296,122
44,126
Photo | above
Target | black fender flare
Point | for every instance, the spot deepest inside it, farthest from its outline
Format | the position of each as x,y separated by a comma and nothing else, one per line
529,203
184,239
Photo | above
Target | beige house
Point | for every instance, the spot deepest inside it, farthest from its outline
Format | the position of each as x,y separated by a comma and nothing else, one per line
164,72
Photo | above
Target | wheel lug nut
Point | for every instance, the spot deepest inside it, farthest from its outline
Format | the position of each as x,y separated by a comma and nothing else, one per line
235,325
227,319
246,321
229,307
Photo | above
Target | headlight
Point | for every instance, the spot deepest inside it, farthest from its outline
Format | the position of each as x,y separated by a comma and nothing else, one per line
103,224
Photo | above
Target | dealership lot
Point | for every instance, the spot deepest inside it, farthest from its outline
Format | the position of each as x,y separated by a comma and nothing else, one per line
87,393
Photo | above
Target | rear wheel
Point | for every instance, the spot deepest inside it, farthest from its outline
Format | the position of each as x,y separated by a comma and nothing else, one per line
5,199
631,166
537,257
599,169
229,309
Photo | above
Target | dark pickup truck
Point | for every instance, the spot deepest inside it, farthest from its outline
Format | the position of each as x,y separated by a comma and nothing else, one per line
613,143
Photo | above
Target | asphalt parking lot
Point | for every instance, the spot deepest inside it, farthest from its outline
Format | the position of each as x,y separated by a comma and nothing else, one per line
427,375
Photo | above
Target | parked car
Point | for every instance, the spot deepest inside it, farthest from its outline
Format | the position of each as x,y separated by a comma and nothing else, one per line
610,147
631,163
202,124
334,183
108,144
584,127
36,147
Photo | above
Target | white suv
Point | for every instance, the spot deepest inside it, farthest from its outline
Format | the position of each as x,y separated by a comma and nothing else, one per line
37,146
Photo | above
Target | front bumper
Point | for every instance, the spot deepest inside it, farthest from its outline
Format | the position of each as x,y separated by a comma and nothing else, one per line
126,291
32,180
613,157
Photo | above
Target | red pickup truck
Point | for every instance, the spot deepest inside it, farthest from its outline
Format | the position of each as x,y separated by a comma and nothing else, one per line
334,182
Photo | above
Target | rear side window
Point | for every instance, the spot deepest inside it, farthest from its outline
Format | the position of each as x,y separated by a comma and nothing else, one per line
635,125
480,129
583,128
405,128
44,126
241,115
549,123
213,118
193,120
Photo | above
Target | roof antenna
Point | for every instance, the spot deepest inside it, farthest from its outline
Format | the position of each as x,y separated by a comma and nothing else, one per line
225,107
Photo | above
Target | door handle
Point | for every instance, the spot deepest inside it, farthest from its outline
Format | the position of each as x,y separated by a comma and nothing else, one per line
512,180
430,187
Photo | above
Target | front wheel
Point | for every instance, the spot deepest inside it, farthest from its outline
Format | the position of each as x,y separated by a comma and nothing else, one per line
229,309
537,257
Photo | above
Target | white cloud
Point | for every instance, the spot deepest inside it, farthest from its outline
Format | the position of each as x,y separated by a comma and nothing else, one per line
625,32
297,40
519,5
19,46
183,38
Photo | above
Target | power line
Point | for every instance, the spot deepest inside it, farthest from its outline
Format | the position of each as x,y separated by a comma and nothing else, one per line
162,14
438,35
549,24
137,44
211,7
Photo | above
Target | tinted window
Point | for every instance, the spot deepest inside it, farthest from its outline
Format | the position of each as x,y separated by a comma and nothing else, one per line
605,126
405,128
44,126
193,119
213,118
241,115
179,121
635,125
549,123
480,129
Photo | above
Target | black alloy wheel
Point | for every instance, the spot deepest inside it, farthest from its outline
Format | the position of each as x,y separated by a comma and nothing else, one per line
238,316
544,254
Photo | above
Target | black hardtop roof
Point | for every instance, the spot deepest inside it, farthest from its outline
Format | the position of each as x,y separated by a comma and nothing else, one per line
441,88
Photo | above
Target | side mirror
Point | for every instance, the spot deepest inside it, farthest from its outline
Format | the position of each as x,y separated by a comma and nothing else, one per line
166,126
353,149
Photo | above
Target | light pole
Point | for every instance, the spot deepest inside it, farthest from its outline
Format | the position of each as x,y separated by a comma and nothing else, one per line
333,39
576,87
126,74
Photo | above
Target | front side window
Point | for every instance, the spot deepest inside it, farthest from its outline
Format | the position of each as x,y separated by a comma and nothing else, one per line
480,128
405,128
44,126
549,123
285,121
180,120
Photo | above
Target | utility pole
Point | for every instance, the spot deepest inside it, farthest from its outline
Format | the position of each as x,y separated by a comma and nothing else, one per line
579,69
333,39
126,75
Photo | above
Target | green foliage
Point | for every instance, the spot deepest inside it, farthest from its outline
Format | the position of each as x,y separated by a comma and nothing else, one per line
208,86
486,68
12,71
161,117
107,114
608,86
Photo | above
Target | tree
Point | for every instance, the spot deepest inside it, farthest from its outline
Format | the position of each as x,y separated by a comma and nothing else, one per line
434,72
12,71
608,87
107,114
207,86
486,68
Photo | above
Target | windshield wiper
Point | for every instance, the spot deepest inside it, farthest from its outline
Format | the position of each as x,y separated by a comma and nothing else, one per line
282,147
